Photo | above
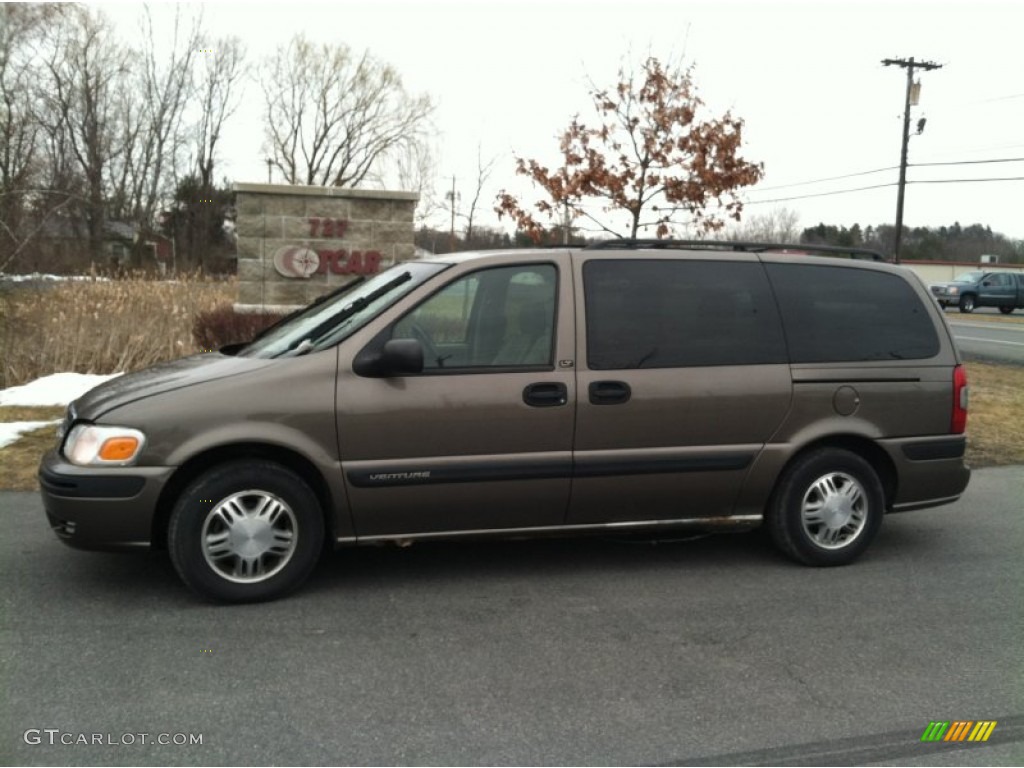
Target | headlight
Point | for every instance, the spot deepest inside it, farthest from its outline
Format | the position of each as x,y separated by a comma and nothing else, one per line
953,289
91,445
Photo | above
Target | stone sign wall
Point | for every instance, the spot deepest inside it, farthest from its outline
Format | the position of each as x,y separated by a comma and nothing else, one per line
296,243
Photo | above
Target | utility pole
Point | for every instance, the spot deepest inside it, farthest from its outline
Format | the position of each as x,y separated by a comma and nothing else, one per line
910,65
451,235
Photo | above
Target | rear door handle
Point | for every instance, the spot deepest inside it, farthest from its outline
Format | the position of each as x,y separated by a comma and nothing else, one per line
546,394
609,392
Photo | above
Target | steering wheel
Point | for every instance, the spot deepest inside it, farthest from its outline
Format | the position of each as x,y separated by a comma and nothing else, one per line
430,352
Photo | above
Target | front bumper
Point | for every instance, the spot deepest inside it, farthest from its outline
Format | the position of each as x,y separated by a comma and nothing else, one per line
109,509
944,296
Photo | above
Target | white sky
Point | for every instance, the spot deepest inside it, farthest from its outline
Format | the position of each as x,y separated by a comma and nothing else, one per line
806,77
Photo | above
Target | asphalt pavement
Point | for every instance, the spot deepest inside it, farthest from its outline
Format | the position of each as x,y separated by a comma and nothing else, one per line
589,651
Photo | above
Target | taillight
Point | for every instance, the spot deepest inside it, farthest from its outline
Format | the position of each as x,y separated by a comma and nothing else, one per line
960,395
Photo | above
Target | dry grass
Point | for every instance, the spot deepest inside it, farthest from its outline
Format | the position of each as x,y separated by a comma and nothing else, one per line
10,413
1017,318
996,413
101,327
20,459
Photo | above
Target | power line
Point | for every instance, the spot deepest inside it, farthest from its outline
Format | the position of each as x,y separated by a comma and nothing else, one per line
943,108
999,98
961,150
972,162
881,186
829,178
966,181
881,170
820,194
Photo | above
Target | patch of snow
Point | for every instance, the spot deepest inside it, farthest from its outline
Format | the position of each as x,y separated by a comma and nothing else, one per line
10,431
55,389
37,276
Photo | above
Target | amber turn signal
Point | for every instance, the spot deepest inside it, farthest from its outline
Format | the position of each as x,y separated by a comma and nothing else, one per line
119,448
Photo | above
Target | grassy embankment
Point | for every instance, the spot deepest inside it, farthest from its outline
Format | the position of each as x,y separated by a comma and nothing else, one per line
90,327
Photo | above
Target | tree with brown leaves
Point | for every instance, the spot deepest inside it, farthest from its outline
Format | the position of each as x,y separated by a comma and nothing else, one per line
650,156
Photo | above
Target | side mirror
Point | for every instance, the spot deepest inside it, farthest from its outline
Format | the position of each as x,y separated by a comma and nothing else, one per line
986,284
398,357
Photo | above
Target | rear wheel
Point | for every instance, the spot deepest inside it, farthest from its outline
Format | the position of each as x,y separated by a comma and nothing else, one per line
967,303
827,508
245,531
1006,310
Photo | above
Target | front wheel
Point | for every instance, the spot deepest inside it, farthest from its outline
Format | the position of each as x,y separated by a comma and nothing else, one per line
827,508
1006,310
245,531
967,303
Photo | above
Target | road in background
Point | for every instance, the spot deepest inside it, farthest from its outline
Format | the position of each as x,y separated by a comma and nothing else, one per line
995,341
589,651
999,341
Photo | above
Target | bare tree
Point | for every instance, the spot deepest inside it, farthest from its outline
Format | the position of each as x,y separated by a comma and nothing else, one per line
152,111
484,169
20,140
199,208
84,70
779,225
220,71
415,171
331,117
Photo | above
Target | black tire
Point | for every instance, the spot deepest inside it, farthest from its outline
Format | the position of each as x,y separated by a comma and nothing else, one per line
799,485
967,303
1006,310
283,518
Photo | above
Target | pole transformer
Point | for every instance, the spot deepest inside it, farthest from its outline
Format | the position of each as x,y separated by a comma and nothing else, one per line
910,65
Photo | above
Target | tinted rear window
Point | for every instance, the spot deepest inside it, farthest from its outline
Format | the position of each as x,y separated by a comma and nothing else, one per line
840,314
669,314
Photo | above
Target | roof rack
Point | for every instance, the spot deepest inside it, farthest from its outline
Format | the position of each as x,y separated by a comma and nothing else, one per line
745,247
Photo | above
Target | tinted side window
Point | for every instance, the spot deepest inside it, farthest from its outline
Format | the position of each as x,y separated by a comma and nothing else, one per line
671,314
839,314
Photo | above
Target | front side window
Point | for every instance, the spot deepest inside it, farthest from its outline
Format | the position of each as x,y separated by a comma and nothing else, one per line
494,318
969,277
674,314
998,280
841,314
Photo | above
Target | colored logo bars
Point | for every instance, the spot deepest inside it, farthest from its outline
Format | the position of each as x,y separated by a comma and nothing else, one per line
959,730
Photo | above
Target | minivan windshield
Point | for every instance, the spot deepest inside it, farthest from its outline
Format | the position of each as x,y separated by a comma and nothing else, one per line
969,277
324,324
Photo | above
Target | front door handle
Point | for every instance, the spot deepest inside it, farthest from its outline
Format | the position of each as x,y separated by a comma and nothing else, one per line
609,392
546,394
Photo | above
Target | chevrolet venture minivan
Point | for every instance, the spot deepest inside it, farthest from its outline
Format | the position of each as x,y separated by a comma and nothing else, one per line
636,386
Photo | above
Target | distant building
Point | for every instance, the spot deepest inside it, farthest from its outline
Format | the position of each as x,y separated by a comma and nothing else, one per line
61,242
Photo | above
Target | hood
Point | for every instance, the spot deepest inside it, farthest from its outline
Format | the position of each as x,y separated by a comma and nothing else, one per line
164,377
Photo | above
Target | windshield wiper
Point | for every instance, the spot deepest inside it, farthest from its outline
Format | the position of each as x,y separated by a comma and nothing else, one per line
308,342
316,302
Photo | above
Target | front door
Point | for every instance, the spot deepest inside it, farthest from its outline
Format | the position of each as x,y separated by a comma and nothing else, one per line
481,440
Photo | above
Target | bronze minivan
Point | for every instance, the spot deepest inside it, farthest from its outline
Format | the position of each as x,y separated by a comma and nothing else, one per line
624,386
